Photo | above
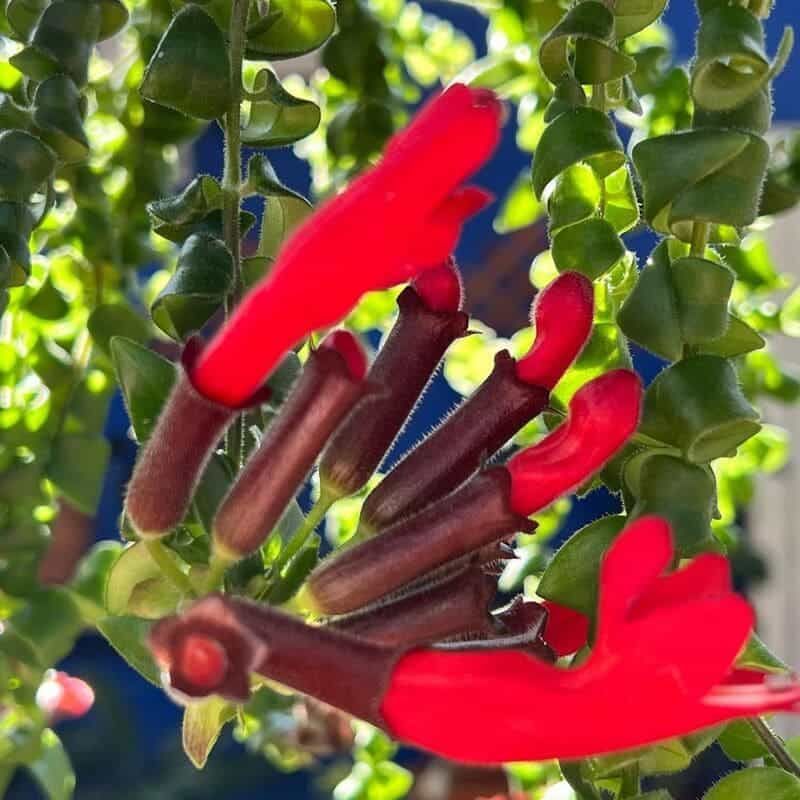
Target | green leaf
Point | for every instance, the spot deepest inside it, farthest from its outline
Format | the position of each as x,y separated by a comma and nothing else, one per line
127,636
758,656
519,207
50,623
575,197
572,577
136,585
292,28
296,572
58,110
697,406
741,743
146,380
580,135
591,247
756,782
26,163
202,724
738,339
212,488
277,118
116,319
284,209
48,303
93,571
190,70
77,466
52,769
632,16
197,288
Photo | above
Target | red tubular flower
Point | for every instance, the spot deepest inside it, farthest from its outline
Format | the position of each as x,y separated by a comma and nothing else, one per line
494,504
508,399
406,213
603,414
657,664
172,461
566,630
330,385
429,320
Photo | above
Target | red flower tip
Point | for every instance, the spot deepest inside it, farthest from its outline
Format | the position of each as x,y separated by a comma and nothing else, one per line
62,695
202,661
407,210
440,287
565,630
602,416
562,315
349,348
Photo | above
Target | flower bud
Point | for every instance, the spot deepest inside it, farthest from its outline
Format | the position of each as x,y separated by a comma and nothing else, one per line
326,391
214,646
506,401
63,696
477,514
173,459
456,605
429,320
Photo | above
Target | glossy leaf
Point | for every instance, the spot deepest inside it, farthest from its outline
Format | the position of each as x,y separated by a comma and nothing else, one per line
632,16
738,339
51,768
277,118
292,28
49,622
58,110
190,70
145,379
741,743
771,782
591,247
203,277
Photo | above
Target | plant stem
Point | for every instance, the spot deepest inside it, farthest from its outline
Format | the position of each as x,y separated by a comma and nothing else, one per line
171,571
231,187
700,234
598,100
300,536
631,784
775,745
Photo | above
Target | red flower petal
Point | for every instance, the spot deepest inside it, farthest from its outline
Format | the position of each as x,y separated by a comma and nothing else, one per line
562,315
350,349
440,287
566,631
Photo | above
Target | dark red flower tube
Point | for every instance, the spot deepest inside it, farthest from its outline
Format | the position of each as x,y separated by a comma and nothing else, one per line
476,515
456,605
400,217
429,320
494,504
513,395
331,384
169,466
656,658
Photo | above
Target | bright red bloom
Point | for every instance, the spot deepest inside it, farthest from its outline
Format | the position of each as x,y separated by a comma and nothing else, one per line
603,414
63,696
440,287
402,216
658,666
565,630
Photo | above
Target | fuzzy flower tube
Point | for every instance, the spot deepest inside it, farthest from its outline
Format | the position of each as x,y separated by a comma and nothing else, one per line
656,658
515,393
330,385
407,211
429,320
491,506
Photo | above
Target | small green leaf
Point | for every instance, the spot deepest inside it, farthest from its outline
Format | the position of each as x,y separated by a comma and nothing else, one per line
738,339
740,742
116,319
92,575
50,623
77,466
58,110
190,70
48,303
213,486
136,585
277,118
292,28
756,782
146,380
127,636
632,16
197,289
52,769
572,577
202,724
591,247
296,572
758,656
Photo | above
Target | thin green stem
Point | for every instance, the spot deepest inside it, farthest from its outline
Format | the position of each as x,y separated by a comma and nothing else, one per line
217,567
700,233
775,745
301,535
631,785
169,569
598,100
231,187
